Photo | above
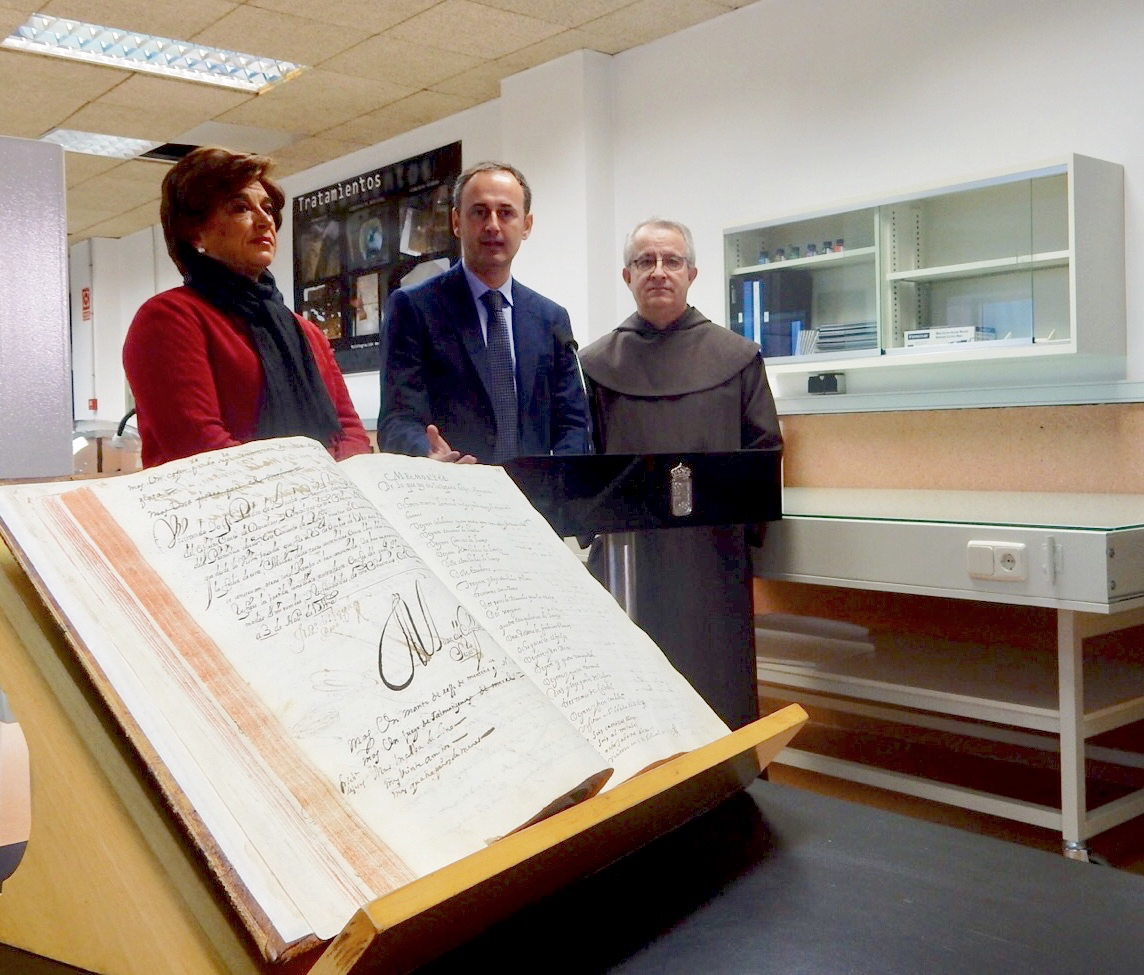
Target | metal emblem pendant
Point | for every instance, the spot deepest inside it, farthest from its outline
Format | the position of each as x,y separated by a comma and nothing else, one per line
682,495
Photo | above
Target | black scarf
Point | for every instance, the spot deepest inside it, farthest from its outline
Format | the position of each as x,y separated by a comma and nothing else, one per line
294,401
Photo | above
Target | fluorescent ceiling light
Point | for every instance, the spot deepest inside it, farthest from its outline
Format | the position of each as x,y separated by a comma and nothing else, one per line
111,46
97,144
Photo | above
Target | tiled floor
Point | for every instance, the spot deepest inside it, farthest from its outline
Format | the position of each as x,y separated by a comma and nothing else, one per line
1121,847
1017,772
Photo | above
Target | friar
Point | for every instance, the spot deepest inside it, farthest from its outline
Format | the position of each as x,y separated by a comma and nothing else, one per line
669,379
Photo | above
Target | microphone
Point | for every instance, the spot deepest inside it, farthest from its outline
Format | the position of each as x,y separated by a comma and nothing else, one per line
567,341
565,338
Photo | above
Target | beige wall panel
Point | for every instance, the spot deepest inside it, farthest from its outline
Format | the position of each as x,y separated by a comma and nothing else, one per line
1098,448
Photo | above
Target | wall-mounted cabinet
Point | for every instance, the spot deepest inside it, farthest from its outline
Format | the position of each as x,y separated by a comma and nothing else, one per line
969,285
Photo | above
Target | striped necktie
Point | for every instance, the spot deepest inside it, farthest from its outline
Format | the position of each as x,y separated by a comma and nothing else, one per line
504,385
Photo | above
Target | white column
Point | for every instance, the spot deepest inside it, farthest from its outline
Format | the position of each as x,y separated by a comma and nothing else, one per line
556,123
35,364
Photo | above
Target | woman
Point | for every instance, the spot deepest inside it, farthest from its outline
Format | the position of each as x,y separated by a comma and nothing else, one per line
222,360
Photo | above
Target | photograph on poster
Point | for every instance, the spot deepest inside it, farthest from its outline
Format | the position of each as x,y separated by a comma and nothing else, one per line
366,303
357,240
371,236
319,255
322,304
425,224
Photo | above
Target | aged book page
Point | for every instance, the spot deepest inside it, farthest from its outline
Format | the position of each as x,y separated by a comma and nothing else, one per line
332,688
475,529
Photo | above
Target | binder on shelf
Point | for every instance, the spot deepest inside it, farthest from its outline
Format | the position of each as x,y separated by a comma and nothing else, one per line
771,308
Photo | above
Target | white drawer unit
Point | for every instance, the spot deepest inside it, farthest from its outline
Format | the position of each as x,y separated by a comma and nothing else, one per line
1080,555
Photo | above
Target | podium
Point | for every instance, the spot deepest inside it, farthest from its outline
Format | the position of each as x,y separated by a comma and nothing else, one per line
672,551
581,494
114,881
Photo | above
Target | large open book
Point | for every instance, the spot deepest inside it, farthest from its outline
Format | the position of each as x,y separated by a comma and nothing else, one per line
348,675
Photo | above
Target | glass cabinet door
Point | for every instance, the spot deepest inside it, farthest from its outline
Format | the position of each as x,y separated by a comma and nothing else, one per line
980,265
807,288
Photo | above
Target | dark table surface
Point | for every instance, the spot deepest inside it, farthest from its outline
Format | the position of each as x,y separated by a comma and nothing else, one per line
782,880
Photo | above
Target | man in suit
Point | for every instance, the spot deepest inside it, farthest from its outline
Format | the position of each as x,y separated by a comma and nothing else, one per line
473,357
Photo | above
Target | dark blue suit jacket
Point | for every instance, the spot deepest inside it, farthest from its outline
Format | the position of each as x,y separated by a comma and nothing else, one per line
434,369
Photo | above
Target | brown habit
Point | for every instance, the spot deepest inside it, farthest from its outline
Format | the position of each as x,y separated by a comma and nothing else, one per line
692,386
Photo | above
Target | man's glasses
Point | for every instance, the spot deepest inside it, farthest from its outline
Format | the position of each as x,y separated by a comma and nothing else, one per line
647,262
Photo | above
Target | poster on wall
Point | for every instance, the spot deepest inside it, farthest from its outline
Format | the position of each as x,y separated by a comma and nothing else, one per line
359,239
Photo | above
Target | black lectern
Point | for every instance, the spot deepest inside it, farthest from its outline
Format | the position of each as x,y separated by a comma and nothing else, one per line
672,550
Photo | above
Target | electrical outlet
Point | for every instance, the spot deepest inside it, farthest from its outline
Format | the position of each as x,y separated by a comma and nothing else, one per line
1010,562
1006,561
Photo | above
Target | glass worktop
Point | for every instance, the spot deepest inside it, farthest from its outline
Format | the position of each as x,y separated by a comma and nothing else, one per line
1015,509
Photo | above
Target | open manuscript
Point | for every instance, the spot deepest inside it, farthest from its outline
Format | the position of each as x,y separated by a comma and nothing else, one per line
349,675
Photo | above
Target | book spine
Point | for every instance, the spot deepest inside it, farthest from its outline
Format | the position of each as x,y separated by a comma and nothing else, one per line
735,306
757,304
748,329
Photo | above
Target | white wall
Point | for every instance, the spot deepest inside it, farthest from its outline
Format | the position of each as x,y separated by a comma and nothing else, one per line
779,108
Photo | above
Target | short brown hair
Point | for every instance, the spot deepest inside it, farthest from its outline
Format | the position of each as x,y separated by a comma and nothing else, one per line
199,182
491,167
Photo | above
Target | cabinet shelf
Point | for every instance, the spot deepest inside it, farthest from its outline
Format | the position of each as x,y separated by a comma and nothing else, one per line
984,347
978,269
996,684
857,255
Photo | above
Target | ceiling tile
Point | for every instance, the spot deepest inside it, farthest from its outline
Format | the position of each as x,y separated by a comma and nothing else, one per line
84,214
365,16
314,150
473,29
12,15
420,108
127,193
314,101
400,61
192,102
80,167
372,128
29,75
95,204
150,172
31,118
240,138
176,19
126,223
110,119
267,33
560,12
647,20
557,46
481,83
428,106
29,126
